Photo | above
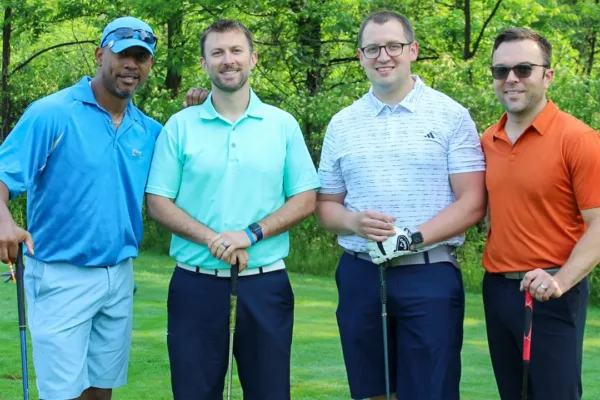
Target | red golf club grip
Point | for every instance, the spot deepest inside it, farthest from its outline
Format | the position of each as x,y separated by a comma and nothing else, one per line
527,327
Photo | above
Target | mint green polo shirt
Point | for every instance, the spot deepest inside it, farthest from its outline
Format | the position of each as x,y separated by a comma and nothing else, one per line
229,175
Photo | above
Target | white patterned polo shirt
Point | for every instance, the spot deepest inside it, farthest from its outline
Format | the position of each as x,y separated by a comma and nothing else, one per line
397,160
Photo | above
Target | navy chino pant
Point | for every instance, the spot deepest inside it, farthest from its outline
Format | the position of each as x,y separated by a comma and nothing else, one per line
198,335
556,340
425,329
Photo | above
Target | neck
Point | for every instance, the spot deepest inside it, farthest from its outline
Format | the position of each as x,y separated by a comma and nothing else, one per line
231,105
394,95
516,123
113,104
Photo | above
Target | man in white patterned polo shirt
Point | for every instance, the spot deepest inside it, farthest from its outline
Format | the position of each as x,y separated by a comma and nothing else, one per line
403,158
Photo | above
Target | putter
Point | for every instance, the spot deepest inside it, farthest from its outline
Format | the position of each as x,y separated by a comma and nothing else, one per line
527,341
19,271
232,317
386,360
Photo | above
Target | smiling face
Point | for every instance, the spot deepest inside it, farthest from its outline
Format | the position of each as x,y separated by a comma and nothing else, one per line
387,74
123,73
522,97
228,60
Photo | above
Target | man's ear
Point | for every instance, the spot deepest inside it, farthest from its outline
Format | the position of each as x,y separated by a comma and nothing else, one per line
99,55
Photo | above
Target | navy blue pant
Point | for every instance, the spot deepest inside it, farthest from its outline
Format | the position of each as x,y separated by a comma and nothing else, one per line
198,335
556,340
425,329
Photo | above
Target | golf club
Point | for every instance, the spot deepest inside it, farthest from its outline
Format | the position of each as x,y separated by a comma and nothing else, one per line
383,290
19,271
232,317
527,341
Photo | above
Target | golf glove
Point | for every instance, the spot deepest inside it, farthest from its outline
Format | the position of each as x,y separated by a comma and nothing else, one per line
395,246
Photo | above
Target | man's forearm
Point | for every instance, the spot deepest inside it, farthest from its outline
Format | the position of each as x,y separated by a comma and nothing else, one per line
334,217
290,214
453,220
4,199
584,257
168,214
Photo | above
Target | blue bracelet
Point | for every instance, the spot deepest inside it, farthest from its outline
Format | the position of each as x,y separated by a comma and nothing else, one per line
250,236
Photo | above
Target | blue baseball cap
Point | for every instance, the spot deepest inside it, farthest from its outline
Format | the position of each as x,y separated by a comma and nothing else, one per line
140,35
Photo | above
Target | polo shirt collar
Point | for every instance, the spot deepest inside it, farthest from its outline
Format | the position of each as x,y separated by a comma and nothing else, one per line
255,108
82,91
540,124
409,102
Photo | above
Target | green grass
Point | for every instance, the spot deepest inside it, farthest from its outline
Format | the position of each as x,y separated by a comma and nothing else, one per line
317,365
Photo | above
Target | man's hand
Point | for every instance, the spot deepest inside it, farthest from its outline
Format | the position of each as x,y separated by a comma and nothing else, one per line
239,257
395,246
223,245
542,285
373,225
195,96
10,237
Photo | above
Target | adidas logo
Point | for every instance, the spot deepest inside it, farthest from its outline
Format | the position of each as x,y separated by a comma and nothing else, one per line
430,135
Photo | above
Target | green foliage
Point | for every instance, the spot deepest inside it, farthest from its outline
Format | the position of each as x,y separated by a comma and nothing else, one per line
308,65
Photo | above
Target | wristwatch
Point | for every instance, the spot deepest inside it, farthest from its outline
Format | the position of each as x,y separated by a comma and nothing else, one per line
257,230
417,240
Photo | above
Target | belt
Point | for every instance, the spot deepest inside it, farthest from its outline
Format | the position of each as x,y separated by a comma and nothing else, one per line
435,255
226,273
521,275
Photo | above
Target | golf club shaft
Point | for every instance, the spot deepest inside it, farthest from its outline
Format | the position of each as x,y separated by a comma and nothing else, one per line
19,272
232,319
383,293
527,341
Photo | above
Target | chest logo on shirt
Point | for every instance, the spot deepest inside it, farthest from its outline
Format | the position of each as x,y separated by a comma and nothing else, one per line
136,153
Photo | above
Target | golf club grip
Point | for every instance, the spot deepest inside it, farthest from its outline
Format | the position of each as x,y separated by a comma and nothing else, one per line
382,284
235,270
527,327
20,272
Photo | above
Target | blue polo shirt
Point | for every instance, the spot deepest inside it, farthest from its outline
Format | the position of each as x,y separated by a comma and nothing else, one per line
84,180
229,175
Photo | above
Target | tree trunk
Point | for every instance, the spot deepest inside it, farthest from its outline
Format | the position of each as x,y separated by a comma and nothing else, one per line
6,31
174,32
467,49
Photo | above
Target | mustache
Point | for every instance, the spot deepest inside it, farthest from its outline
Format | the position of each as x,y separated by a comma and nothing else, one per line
130,75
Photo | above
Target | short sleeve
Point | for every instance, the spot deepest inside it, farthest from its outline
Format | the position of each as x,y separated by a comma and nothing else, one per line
330,173
166,168
583,158
24,154
464,152
300,174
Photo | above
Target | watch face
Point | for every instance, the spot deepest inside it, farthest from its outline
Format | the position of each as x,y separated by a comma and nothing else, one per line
417,238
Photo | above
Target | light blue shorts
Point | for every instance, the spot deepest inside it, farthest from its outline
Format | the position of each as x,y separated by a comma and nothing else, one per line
80,320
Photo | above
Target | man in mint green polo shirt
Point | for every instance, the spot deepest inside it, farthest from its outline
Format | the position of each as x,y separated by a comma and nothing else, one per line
229,178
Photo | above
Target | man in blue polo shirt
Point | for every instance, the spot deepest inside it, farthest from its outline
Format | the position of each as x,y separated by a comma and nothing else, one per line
229,178
83,155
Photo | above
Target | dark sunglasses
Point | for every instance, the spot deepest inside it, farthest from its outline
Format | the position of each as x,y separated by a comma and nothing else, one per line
522,70
127,33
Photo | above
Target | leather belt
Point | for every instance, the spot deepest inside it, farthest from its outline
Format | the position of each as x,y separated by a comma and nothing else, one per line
521,275
226,272
437,254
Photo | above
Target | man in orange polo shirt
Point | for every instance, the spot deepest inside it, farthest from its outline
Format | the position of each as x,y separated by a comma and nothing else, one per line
543,175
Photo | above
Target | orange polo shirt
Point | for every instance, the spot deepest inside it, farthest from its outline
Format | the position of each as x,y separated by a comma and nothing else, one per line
537,187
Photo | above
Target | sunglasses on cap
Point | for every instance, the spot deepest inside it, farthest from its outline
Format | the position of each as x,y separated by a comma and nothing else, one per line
522,70
127,33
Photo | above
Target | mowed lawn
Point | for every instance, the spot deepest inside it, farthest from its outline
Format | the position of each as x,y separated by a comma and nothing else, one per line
317,365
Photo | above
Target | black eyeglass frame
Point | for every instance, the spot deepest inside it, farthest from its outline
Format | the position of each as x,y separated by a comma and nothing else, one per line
521,74
387,50
127,33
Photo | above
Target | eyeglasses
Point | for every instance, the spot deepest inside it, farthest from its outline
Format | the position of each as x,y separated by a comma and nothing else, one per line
522,70
392,49
126,33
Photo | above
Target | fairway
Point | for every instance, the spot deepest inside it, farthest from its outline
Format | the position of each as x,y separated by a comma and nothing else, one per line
317,365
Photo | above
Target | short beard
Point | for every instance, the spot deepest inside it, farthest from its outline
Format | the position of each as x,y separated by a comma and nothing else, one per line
230,89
